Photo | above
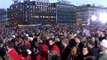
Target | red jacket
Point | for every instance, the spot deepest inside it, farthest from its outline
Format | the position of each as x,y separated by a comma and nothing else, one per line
13,54
23,58
39,57
45,51
55,48
27,43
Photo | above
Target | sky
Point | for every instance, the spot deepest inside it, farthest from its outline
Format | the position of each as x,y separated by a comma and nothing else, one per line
6,3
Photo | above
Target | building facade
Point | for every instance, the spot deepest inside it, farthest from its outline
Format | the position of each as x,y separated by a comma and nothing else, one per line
3,16
66,13
43,1
32,13
85,12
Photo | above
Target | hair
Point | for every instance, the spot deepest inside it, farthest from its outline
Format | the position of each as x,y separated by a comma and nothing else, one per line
73,50
91,43
89,52
10,44
2,52
52,39
78,36
23,50
66,41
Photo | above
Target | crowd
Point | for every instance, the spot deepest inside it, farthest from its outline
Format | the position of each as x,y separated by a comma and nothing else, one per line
56,42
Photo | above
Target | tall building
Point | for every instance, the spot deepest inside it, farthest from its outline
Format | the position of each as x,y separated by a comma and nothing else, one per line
3,16
43,0
32,12
26,0
66,13
85,12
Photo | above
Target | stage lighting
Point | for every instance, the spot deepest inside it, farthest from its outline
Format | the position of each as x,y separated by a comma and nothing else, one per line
93,18
103,17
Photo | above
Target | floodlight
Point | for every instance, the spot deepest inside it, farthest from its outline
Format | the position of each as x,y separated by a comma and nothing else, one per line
93,18
103,17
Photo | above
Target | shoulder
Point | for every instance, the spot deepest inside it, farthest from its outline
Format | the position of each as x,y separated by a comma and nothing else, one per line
103,57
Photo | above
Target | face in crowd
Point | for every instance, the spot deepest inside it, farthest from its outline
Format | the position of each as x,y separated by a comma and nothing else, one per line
85,51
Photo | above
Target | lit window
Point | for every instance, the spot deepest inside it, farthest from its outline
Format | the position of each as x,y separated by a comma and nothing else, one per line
36,16
16,6
11,8
31,14
27,6
33,6
43,16
20,9
35,2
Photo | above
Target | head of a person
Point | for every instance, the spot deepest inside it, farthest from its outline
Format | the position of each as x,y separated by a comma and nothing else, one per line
65,42
9,45
57,39
75,51
78,39
51,41
91,44
47,37
1,43
103,45
85,51
93,39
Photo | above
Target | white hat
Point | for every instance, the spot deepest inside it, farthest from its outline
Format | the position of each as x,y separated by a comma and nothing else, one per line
29,52
30,38
13,36
104,43
26,35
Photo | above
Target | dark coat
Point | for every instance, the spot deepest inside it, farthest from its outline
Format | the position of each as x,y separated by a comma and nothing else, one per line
94,52
66,51
75,58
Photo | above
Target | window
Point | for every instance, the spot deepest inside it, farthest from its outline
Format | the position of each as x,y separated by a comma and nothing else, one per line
20,9
11,7
43,16
16,6
40,16
37,16
33,6
27,6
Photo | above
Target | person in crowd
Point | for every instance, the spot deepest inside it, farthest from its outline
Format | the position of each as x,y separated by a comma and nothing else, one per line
65,49
77,41
92,48
11,51
45,50
103,47
54,41
53,46
58,42
25,53
40,54
54,56
75,54
86,53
